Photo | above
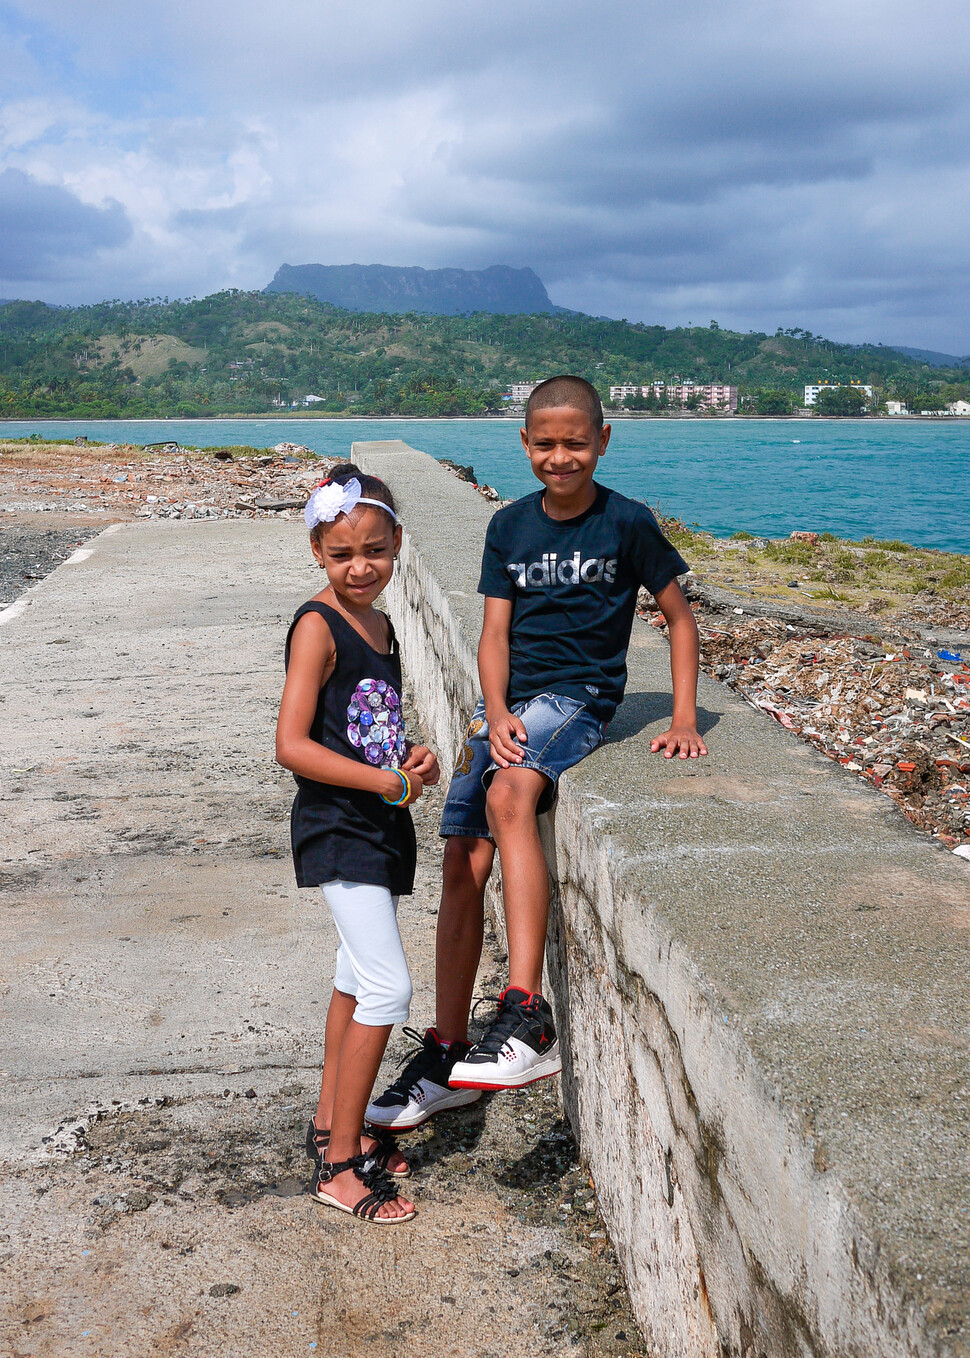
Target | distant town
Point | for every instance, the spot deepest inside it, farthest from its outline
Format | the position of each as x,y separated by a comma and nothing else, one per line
711,398
235,353
722,398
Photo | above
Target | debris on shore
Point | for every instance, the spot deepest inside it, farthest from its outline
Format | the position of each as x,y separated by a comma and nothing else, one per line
167,481
861,649
161,481
897,714
468,474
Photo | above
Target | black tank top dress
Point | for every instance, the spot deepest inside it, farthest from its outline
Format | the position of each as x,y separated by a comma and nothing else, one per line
342,831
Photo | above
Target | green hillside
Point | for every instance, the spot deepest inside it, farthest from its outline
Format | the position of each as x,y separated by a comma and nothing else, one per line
240,352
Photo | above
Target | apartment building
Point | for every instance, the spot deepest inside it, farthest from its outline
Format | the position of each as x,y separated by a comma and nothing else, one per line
812,390
710,395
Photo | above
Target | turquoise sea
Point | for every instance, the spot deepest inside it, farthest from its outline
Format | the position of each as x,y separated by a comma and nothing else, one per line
855,478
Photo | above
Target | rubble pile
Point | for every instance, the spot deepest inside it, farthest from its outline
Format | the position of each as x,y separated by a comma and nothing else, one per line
898,718
468,474
165,481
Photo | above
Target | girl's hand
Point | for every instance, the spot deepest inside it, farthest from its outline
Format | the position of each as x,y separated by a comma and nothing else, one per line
505,734
422,761
394,789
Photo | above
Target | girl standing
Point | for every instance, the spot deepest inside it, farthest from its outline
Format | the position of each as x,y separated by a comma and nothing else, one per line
341,732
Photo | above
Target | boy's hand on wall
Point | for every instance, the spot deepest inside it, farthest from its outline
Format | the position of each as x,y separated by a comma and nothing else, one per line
679,739
423,762
505,734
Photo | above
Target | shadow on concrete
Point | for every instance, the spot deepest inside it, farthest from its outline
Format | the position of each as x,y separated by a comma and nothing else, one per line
453,1133
640,710
553,1156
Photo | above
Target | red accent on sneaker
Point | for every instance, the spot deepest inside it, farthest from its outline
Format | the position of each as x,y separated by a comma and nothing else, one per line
482,1084
527,995
443,1043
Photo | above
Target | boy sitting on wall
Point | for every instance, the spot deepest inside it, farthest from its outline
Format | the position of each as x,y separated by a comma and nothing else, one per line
560,575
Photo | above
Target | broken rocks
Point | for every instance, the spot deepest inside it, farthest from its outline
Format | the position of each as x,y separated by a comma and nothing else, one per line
170,483
898,717
468,474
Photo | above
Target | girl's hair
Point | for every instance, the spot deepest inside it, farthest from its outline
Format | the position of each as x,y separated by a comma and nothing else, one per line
371,487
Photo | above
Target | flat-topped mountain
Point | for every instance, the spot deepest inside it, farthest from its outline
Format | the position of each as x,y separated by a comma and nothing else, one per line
441,292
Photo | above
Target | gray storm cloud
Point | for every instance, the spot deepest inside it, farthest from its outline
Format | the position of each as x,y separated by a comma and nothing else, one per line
47,233
762,164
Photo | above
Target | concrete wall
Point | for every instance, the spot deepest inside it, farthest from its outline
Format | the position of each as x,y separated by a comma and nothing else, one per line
760,971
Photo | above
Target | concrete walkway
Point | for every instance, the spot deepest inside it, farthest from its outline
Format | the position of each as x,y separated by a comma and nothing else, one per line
162,989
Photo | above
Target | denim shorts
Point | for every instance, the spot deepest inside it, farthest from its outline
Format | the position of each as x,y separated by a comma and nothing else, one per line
561,732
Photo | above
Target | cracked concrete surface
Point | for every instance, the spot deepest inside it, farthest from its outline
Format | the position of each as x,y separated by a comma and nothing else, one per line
162,989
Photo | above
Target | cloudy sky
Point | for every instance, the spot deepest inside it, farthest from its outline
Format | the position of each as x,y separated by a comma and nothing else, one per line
758,163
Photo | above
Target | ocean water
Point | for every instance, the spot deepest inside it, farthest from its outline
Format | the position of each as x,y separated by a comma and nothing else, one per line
855,478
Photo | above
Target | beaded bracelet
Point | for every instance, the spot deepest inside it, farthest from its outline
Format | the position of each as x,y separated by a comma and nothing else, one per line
405,790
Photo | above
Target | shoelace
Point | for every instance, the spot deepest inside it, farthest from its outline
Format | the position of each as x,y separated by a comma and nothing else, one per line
485,999
418,1064
508,1020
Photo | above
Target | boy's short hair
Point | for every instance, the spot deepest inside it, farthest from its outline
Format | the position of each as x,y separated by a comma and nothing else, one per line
566,390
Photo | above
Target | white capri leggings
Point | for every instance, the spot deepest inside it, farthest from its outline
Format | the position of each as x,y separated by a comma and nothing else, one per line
370,960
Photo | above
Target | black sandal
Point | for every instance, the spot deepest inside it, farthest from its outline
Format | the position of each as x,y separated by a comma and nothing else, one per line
318,1140
381,1185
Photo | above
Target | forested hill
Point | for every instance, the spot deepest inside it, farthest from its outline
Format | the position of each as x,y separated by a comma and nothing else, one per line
239,352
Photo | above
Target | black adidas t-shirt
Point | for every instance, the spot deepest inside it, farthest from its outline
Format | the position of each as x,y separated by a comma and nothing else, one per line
574,584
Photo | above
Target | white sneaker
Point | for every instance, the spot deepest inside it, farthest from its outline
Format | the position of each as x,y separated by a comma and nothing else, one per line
519,1048
421,1090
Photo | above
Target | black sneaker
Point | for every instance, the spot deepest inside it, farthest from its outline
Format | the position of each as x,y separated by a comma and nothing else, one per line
421,1090
519,1048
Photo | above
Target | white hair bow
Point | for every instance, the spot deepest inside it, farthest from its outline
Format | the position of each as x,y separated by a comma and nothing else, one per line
336,497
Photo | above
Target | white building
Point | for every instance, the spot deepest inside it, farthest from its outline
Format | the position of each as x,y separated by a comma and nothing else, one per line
309,400
812,390
896,408
521,391
959,407
711,395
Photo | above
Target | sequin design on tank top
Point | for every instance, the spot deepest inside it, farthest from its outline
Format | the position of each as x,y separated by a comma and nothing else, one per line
375,724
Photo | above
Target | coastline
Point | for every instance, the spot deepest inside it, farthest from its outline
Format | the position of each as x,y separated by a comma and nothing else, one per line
768,477
612,417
